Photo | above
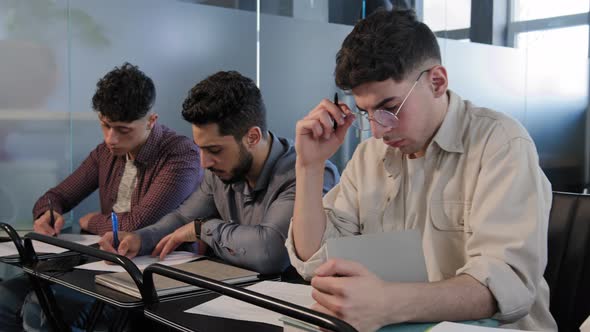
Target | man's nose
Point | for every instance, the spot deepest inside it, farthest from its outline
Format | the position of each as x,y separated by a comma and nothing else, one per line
378,130
111,137
206,161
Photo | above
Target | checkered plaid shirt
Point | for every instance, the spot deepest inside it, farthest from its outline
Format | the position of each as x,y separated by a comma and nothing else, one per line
168,171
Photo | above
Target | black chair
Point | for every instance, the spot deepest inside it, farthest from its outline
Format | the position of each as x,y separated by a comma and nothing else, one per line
568,266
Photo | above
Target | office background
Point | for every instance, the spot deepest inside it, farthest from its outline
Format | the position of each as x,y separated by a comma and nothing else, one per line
527,58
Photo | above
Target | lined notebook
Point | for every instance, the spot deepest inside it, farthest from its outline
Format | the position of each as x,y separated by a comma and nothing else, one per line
122,282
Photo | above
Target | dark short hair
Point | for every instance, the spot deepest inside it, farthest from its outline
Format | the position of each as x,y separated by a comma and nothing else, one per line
124,94
228,99
387,44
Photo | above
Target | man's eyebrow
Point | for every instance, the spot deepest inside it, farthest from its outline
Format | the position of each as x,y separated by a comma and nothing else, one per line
209,147
379,105
115,126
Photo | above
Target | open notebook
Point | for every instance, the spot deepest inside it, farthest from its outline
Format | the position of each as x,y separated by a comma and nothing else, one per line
122,282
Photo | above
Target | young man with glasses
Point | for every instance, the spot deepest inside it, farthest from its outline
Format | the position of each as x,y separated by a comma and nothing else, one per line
466,177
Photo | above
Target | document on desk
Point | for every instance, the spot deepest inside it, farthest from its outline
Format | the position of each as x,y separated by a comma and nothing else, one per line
8,248
227,307
457,327
174,258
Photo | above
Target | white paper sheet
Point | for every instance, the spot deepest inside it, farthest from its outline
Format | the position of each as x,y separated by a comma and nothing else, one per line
8,248
228,307
174,258
456,327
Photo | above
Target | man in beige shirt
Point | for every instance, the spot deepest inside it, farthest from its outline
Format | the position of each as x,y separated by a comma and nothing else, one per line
467,177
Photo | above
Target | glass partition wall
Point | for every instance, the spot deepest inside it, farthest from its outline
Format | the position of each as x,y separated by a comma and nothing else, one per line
524,58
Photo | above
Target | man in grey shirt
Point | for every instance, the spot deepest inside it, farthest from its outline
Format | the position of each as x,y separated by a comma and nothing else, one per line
244,205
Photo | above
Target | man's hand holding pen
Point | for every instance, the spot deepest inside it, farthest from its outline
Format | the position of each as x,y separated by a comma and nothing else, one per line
43,224
129,243
319,135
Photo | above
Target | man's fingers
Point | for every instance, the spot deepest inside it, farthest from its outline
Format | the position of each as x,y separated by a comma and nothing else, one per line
123,248
59,224
341,267
336,111
320,308
160,245
106,242
44,228
310,126
331,303
331,285
170,246
341,130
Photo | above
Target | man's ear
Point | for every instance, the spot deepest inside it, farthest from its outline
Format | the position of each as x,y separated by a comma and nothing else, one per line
252,137
438,80
152,118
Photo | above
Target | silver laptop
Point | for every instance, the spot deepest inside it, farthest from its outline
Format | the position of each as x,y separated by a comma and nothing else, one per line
393,256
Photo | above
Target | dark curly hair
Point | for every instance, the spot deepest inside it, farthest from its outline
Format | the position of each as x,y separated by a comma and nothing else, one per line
124,94
228,99
387,44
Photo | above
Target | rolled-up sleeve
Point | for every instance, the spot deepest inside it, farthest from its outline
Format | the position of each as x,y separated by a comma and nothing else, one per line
507,251
340,206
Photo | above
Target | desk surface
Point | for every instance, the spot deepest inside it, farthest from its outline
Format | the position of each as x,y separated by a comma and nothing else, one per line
172,314
83,281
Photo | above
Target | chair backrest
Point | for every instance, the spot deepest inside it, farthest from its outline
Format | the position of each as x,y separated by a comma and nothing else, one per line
568,265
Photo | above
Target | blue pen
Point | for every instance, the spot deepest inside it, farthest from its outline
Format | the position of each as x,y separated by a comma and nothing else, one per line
115,230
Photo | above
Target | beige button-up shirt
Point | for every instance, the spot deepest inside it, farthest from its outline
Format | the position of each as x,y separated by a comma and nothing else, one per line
483,210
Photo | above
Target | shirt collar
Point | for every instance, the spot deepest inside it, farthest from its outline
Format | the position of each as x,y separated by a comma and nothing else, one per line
449,135
151,148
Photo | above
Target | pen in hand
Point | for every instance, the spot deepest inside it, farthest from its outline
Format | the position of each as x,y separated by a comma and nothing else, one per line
336,102
51,215
115,222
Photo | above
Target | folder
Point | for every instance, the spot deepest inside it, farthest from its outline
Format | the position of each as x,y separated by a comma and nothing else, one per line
395,256
122,282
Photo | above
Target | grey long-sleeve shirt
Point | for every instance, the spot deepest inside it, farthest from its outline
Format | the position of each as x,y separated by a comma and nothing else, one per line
248,227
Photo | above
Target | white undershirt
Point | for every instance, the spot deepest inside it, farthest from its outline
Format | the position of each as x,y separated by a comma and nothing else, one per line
126,187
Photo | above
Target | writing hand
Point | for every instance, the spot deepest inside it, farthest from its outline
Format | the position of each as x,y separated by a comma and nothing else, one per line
42,224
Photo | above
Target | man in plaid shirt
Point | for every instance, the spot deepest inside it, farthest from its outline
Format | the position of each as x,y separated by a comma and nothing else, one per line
143,170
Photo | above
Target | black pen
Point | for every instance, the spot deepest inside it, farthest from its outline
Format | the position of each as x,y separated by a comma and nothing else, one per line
51,216
336,102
